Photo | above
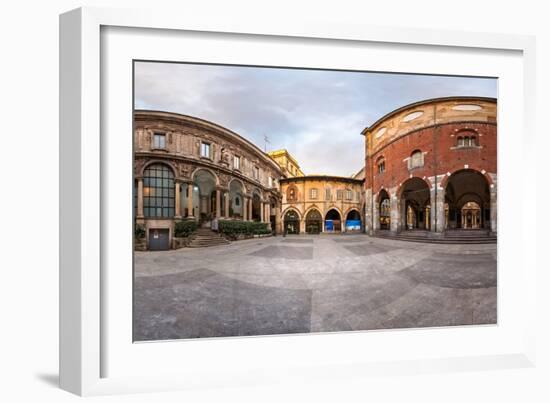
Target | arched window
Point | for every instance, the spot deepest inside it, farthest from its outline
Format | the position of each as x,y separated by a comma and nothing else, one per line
417,159
381,165
470,140
291,194
158,191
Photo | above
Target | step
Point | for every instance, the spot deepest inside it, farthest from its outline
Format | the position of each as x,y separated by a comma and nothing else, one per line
448,239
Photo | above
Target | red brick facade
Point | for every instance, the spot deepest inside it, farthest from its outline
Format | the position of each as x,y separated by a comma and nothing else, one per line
451,141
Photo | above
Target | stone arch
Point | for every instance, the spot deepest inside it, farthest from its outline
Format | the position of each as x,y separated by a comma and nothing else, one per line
353,219
237,180
349,210
313,220
159,161
291,221
286,210
198,169
205,186
333,219
236,200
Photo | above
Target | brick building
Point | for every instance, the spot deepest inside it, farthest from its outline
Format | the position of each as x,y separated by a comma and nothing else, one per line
432,166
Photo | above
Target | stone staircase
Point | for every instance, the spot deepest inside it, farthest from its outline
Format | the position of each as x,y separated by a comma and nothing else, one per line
206,237
459,236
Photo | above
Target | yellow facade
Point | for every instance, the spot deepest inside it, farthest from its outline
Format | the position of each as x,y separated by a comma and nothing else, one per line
320,203
288,164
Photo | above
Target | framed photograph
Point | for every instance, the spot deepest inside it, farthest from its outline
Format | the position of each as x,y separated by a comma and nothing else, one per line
273,202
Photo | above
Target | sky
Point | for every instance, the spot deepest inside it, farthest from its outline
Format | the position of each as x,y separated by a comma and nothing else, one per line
317,115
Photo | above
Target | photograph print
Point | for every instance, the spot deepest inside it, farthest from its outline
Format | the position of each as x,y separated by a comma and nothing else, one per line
277,201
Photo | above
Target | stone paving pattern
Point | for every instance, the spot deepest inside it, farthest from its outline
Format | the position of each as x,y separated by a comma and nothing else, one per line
303,284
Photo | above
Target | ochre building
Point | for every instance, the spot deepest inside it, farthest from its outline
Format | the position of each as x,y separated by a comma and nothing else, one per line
289,166
432,166
320,203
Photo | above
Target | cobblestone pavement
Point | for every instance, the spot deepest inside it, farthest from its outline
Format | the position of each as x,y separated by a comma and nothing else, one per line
302,284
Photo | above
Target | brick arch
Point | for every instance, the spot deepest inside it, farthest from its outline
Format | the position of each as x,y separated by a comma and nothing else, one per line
400,188
377,194
472,167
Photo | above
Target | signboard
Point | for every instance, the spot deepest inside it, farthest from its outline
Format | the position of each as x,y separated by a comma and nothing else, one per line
353,225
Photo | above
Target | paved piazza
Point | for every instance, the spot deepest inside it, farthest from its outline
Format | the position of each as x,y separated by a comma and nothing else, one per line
302,284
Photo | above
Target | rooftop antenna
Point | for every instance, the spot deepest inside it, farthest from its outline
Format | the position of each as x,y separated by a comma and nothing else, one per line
266,140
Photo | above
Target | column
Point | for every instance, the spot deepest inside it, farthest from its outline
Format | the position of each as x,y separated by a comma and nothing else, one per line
375,214
437,207
177,214
394,212
493,197
245,208
262,212
218,203
140,198
368,218
250,209
226,204
190,199
267,215
278,227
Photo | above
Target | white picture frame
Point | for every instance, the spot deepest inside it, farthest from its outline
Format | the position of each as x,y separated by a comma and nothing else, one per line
89,341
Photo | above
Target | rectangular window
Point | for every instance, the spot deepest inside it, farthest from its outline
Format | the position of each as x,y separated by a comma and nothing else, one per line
236,162
348,195
270,182
256,173
313,194
159,140
327,194
205,150
339,195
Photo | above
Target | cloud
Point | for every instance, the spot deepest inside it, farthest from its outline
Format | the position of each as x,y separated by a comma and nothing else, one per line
317,115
